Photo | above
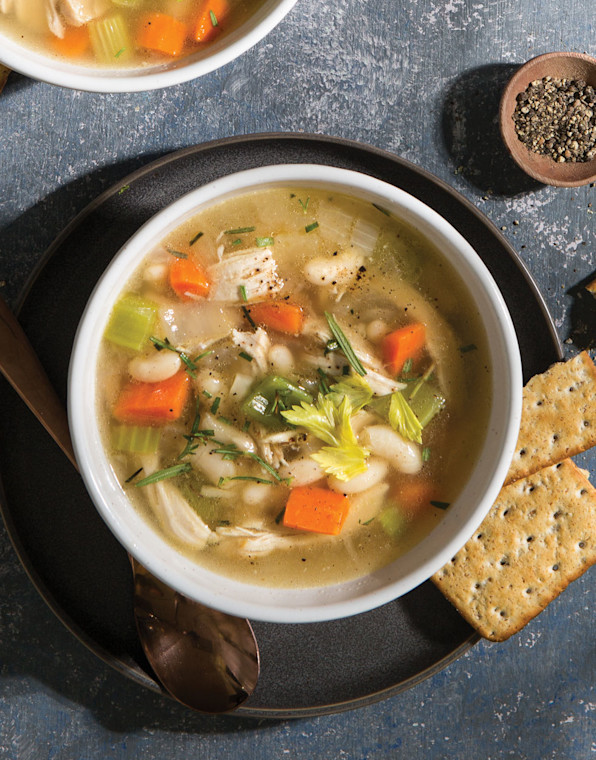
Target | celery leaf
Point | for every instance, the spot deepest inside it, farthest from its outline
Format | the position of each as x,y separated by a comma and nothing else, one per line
355,389
317,418
403,419
343,457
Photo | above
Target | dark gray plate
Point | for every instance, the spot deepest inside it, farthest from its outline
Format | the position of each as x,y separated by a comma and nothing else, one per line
74,561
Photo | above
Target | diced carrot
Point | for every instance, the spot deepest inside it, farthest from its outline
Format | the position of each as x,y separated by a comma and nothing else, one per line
153,403
414,495
211,14
188,278
278,315
403,344
317,510
74,43
162,33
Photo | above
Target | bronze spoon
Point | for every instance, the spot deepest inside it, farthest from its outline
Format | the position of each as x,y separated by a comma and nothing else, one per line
206,659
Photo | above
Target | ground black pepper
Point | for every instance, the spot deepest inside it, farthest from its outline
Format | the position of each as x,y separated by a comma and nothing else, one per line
557,118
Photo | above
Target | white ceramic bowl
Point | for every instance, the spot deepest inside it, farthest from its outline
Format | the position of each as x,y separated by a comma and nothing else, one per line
48,69
328,602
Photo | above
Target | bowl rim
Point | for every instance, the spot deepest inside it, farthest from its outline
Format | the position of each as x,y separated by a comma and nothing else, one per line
44,68
327,602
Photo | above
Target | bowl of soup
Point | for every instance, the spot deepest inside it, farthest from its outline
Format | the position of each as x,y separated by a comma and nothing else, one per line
130,45
294,393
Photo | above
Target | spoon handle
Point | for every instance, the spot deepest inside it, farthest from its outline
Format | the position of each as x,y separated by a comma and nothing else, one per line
23,370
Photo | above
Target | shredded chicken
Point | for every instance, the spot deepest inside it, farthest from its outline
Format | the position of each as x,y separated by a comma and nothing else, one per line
55,23
380,382
173,511
79,12
272,453
257,541
255,269
256,344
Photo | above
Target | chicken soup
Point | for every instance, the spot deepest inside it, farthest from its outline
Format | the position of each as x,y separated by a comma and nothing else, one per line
294,387
122,33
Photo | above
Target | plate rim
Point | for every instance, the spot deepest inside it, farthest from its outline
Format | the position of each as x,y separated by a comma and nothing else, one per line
130,669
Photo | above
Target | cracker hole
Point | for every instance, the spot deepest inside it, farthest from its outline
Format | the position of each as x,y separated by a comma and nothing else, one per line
557,466
529,590
522,452
557,514
531,488
504,561
571,388
586,423
505,512
532,513
503,613
529,539
539,402
479,536
583,492
582,544
555,568
555,437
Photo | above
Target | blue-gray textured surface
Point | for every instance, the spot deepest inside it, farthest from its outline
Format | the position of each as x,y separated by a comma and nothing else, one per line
419,78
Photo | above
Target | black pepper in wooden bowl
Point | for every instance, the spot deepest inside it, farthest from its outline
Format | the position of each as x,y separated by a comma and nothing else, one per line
557,118
548,118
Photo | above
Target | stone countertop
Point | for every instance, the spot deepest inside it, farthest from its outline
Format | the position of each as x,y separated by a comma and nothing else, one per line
421,79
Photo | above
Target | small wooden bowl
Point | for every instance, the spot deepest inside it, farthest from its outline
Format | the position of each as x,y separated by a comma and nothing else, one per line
543,168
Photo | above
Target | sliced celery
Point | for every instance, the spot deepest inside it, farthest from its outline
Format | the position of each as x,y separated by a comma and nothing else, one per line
135,439
132,322
425,400
110,39
392,521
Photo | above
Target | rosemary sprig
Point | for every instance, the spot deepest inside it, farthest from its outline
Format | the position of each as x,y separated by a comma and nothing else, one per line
251,321
252,478
344,344
165,474
190,445
191,364
232,452
239,230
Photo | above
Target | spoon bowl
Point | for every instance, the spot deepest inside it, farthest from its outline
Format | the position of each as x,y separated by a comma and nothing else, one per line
189,644
205,659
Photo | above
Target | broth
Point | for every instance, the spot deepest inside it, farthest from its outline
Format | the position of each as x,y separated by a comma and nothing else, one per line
306,437
122,33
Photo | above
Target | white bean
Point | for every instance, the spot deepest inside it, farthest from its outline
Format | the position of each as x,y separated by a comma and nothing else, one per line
210,381
303,471
387,443
214,466
241,385
258,494
156,274
155,367
281,358
377,330
376,471
337,270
